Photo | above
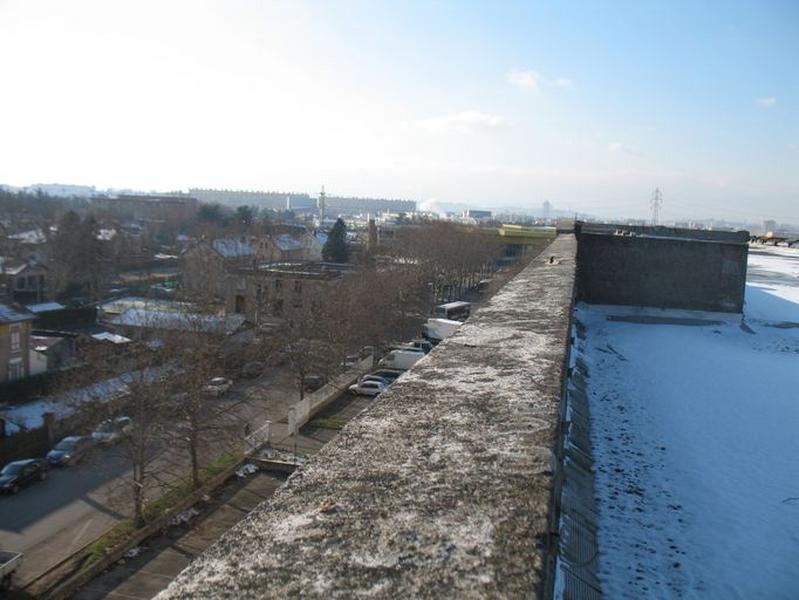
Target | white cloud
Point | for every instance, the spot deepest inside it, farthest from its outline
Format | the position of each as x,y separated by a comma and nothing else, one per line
524,79
616,147
466,121
767,102
529,81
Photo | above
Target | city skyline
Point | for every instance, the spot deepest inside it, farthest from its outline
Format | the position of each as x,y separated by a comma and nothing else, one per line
590,108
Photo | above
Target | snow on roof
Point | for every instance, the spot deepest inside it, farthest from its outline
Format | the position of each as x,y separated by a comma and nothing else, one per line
11,266
14,314
30,414
287,243
114,338
233,247
178,321
32,236
45,307
42,342
120,305
106,235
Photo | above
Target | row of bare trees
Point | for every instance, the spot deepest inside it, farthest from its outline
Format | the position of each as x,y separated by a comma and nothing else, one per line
177,430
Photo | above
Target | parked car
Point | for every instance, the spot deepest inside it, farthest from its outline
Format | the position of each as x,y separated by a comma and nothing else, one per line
389,374
406,348
370,377
218,386
252,369
367,388
9,563
19,473
401,359
424,345
111,431
70,450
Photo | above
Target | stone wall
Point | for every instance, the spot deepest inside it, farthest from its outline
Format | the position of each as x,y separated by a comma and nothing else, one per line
662,272
442,488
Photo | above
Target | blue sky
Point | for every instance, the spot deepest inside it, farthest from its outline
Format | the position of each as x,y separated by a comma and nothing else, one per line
588,105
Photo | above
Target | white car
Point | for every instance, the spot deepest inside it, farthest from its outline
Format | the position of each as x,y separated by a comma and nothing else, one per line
111,431
218,386
367,388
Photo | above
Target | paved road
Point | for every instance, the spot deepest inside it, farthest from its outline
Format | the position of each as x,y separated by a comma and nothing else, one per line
166,555
73,506
49,520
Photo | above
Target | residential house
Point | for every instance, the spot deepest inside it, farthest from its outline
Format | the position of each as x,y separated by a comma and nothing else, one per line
29,245
15,331
282,247
25,280
49,351
262,292
204,264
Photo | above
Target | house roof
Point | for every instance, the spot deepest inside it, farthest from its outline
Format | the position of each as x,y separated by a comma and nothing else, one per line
42,343
13,313
114,338
178,321
32,236
286,243
12,266
45,307
233,247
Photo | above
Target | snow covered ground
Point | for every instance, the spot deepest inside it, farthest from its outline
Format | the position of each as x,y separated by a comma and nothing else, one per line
30,415
695,432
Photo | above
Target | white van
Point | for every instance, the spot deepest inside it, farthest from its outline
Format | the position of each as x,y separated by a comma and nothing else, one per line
400,359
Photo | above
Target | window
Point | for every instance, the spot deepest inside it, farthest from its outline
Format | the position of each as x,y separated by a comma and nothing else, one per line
278,284
239,304
15,338
297,286
15,369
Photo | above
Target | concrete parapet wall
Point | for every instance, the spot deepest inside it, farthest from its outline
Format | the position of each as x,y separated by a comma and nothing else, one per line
662,272
442,488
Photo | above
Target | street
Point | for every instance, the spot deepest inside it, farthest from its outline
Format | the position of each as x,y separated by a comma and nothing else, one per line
49,520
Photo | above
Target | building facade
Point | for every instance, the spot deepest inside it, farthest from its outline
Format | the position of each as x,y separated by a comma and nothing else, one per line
15,332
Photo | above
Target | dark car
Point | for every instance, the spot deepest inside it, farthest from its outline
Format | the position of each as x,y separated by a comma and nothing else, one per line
20,473
389,374
70,450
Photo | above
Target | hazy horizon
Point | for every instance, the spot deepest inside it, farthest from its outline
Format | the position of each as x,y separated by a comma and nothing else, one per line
588,107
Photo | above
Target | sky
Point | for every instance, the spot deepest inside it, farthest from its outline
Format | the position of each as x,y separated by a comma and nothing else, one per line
589,105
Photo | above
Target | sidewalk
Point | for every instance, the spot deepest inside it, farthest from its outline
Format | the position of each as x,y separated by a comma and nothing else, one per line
142,577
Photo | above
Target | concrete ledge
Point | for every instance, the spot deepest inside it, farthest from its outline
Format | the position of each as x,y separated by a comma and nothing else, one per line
441,488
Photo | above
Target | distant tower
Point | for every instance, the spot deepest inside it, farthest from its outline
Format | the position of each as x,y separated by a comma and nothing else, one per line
546,208
320,205
655,204
372,240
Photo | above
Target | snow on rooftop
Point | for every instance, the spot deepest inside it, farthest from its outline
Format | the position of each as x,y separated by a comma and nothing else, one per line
13,314
45,307
114,338
286,243
694,434
233,247
32,236
30,415
180,321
